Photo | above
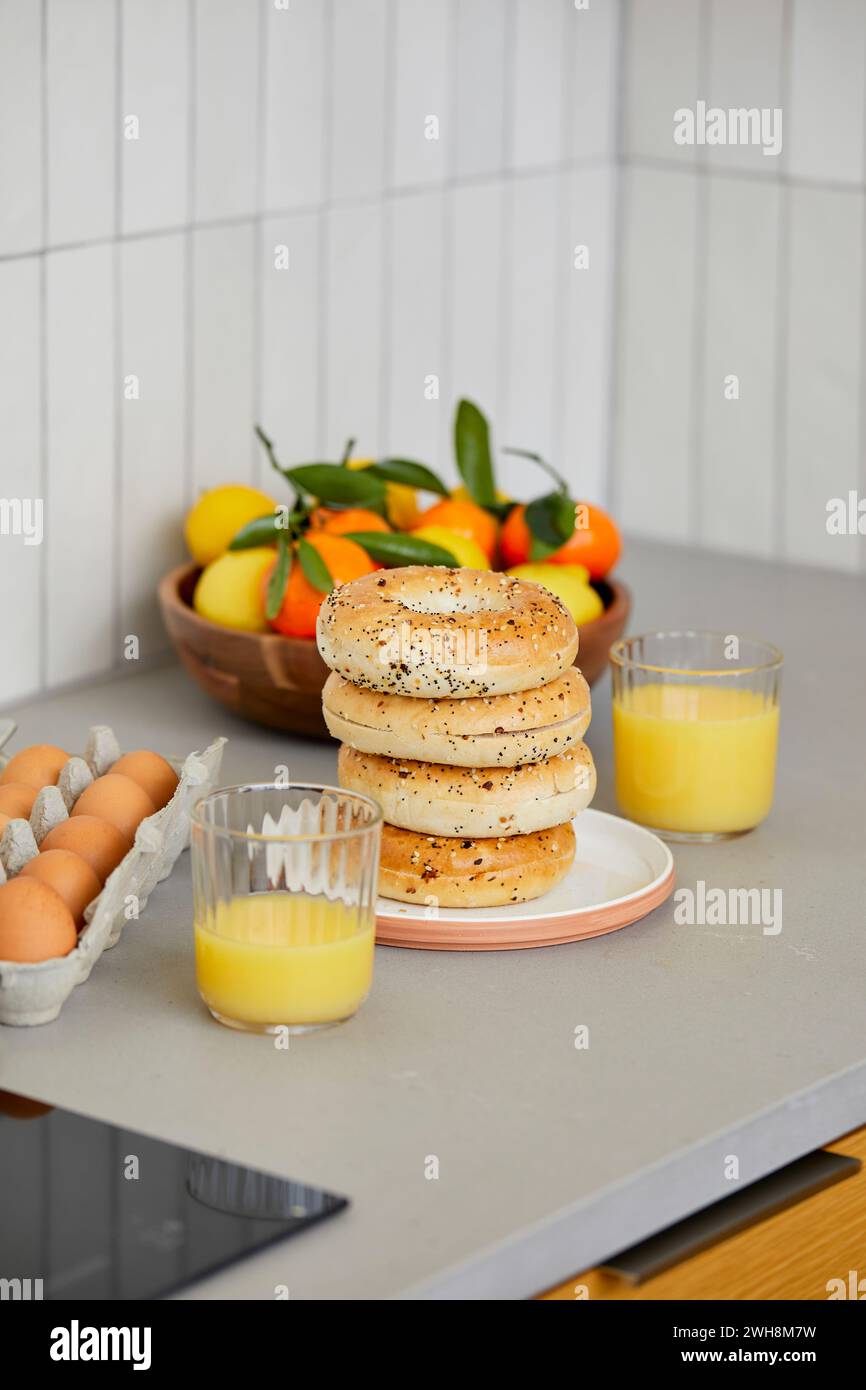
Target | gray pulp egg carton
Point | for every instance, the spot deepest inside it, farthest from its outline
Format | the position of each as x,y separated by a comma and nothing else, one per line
35,993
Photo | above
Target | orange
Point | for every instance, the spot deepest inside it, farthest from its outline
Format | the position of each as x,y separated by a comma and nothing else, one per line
515,541
345,560
353,519
595,542
464,519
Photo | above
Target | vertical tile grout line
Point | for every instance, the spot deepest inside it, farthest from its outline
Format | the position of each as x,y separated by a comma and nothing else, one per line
617,307
42,659
258,233
506,201
695,484
117,325
387,237
323,231
562,236
189,261
783,268
445,365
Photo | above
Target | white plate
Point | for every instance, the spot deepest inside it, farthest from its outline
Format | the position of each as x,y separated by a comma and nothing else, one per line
620,873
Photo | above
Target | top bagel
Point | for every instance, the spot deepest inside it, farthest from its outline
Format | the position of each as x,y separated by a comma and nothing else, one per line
430,631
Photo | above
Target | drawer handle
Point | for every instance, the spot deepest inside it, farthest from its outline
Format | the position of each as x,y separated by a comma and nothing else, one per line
774,1193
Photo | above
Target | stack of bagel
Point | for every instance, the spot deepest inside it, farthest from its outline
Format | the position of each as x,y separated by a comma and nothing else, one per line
459,709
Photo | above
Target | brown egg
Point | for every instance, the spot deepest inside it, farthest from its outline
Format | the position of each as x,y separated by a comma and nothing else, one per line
16,799
152,773
39,766
69,875
100,844
35,923
117,799
5,819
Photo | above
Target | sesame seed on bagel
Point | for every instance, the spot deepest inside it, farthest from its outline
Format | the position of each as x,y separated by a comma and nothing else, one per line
461,872
478,731
426,631
441,799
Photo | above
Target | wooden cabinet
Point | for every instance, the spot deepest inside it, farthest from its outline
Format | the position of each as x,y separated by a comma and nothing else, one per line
797,1253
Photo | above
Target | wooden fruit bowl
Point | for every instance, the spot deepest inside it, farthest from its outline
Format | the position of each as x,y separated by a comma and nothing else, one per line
597,637
278,681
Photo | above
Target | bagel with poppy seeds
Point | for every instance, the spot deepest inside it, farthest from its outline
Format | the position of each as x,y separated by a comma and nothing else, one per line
427,631
480,731
461,872
492,802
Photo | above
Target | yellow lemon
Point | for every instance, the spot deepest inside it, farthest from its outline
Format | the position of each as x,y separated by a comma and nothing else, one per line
466,552
462,494
570,583
401,501
231,589
217,517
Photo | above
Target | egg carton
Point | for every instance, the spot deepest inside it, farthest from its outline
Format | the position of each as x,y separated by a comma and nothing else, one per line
32,993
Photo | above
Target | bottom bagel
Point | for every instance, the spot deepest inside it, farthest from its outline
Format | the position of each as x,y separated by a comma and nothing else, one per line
449,871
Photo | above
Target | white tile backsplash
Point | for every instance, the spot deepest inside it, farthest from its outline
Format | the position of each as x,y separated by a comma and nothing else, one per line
526,419
354,323
361,86
227,85
152,428
155,114
535,105
476,317
584,366
265,125
481,81
738,502
592,36
413,427
290,334
828,60
223,337
21,562
80,517
296,88
82,119
423,134
654,475
661,75
20,126
824,371
745,71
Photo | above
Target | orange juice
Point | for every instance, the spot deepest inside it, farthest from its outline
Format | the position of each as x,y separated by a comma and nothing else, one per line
284,958
700,759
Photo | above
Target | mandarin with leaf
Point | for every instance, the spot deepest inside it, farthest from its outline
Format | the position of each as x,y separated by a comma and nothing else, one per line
343,559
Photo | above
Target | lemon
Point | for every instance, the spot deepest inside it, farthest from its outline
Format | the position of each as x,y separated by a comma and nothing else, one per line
217,517
462,494
231,589
466,552
570,583
401,501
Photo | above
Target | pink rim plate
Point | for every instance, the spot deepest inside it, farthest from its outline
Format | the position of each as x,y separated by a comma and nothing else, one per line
620,874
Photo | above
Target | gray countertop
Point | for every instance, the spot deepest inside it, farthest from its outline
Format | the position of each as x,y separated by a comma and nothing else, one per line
704,1041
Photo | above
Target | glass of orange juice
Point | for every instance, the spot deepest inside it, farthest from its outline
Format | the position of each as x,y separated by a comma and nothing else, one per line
284,893
695,730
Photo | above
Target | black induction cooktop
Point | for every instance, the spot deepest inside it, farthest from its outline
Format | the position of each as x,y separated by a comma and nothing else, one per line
90,1211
